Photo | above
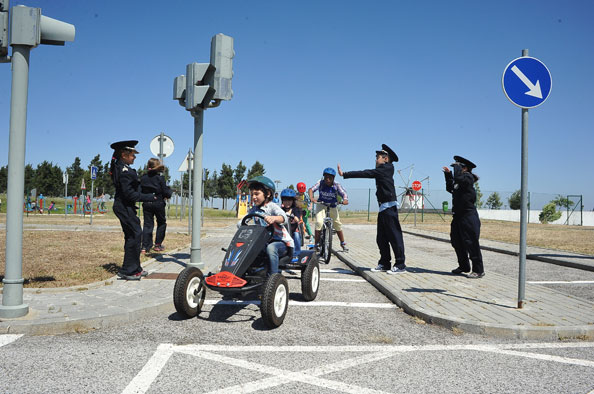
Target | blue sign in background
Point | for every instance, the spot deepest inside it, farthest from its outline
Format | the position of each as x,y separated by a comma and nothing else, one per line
521,76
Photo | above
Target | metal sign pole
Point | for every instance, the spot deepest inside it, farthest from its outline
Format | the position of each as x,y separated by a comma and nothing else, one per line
524,205
162,136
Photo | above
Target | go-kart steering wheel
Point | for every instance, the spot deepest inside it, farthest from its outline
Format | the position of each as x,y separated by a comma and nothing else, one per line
249,216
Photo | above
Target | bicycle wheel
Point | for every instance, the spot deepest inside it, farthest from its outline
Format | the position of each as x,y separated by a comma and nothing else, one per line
326,243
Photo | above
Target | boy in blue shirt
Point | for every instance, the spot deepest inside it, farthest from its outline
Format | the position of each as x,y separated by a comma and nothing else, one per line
262,192
328,192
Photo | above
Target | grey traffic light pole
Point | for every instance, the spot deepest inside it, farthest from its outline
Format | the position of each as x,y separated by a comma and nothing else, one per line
28,29
195,250
204,86
12,294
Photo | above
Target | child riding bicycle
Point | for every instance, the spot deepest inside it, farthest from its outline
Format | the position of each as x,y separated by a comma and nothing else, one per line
328,192
304,203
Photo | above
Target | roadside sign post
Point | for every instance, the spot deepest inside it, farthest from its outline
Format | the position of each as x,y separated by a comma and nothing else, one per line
94,170
416,185
65,180
527,84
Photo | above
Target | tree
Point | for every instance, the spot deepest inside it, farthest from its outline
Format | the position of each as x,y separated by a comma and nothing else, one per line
225,184
494,202
29,178
549,213
3,179
48,179
238,173
479,196
562,202
210,187
256,170
75,177
515,200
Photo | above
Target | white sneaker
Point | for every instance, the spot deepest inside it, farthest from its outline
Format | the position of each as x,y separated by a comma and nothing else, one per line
395,270
379,268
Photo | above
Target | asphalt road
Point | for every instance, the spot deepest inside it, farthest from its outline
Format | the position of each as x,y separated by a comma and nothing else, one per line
350,339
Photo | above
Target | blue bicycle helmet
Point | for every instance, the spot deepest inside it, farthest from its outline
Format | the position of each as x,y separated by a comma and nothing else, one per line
288,193
329,171
264,181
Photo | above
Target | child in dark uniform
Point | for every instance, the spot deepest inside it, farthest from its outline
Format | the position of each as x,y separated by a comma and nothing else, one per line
389,232
154,182
466,225
127,193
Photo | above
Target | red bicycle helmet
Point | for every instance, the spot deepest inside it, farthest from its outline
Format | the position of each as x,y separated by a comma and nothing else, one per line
301,187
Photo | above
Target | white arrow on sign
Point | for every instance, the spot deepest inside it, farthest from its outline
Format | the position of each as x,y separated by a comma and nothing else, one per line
534,89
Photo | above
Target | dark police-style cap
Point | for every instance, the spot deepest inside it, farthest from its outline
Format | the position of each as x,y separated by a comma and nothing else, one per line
467,163
387,151
125,145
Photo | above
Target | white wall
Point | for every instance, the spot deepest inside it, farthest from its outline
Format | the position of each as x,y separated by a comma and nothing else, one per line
514,216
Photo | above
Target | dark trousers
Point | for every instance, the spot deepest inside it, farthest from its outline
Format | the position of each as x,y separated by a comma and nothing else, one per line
152,210
389,233
464,235
132,236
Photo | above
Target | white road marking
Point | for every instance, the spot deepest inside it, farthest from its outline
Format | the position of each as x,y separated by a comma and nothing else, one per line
559,282
342,280
338,271
310,303
142,382
8,338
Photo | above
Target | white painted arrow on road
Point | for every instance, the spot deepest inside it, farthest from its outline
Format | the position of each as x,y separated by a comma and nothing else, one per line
534,90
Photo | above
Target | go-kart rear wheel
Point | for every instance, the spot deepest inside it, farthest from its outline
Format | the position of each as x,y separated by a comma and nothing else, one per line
189,292
275,300
310,279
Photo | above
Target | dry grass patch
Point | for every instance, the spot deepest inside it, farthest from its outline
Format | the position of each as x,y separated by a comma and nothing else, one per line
576,239
71,258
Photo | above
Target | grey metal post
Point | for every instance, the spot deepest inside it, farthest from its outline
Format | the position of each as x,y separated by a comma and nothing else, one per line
190,191
196,252
181,212
92,190
161,146
66,195
524,206
12,294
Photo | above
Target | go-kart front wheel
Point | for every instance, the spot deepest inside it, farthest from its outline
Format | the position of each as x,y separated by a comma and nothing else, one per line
310,279
275,300
189,292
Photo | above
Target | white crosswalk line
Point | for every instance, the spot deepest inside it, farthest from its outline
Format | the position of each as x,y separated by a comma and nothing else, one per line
8,338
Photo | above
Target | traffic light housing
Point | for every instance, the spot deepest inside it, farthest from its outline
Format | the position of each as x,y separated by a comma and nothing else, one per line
221,56
3,29
28,27
199,89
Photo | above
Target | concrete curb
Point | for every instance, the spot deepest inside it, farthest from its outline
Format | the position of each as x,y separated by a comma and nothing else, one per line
489,329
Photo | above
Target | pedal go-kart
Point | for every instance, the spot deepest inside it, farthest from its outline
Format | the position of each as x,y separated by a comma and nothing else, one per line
244,271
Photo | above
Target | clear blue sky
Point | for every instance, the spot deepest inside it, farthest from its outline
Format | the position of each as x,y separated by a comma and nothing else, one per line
334,79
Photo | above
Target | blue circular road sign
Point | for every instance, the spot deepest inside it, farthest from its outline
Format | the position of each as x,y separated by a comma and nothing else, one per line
526,82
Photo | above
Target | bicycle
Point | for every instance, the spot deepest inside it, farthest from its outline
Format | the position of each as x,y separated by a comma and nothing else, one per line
325,243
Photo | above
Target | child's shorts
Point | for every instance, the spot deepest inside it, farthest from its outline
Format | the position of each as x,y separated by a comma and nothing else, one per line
322,214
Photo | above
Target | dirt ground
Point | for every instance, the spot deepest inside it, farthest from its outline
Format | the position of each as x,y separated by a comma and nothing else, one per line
62,257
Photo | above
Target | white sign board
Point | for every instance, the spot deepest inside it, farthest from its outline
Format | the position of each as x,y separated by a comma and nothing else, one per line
167,146
184,165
